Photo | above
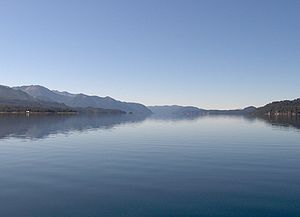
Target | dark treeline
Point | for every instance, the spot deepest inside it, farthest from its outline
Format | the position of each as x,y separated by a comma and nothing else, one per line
32,106
10,108
286,107
41,109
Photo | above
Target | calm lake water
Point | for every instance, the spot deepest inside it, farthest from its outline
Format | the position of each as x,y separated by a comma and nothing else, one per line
91,166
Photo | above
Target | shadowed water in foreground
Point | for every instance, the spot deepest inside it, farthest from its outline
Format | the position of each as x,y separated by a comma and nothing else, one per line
136,166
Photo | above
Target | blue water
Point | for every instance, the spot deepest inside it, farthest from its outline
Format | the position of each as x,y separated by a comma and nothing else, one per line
135,166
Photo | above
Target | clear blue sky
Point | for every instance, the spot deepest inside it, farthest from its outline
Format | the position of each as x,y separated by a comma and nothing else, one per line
211,54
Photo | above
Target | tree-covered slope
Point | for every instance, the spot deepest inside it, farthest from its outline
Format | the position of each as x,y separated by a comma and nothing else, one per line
82,100
286,107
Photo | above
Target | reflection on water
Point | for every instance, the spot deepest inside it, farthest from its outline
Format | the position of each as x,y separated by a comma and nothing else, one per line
174,117
283,121
212,166
38,127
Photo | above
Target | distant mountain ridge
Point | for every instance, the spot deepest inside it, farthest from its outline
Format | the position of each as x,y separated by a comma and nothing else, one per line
175,110
277,108
244,111
82,100
194,111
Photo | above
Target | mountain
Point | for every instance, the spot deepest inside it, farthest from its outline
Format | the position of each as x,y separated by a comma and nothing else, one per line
246,111
82,100
37,98
175,110
286,107
41,93
7,93
12,100
15,100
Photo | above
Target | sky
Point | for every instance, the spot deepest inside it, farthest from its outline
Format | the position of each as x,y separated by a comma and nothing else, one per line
207,53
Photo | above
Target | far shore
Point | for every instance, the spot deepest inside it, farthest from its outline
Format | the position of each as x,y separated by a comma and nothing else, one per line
38,113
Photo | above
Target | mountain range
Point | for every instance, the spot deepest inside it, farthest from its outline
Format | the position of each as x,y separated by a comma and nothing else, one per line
41,99
181,111
37,98
175,110
82,100
12,100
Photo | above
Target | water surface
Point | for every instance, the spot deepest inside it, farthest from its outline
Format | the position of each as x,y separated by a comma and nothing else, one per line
138,166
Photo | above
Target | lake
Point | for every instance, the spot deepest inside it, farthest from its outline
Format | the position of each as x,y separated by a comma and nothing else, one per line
210,166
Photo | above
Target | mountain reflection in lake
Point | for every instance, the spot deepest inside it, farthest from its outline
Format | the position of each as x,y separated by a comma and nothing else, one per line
137,166
283,121
41,126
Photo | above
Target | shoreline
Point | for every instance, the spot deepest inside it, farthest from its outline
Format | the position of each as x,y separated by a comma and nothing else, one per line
38,113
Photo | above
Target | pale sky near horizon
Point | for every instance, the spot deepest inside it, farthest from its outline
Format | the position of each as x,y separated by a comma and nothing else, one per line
211,54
